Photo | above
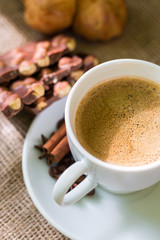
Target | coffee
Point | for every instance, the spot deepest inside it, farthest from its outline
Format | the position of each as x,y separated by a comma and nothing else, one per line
118,121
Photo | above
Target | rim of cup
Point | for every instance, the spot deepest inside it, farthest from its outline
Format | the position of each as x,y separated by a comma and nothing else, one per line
75,141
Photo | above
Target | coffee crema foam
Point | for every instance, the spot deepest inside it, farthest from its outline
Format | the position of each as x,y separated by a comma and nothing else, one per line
118,121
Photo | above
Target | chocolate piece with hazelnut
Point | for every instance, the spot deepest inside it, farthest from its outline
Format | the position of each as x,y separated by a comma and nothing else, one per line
10,103
29,90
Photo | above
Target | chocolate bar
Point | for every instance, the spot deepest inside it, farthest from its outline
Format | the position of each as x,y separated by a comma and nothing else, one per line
40,73
88,62
60,87
58,91
29,90
28,59
65,66
14,59
10,103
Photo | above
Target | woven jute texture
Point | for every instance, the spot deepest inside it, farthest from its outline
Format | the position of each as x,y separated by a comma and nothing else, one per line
19,219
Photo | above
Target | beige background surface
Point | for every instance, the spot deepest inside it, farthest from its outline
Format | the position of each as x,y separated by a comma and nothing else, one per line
19,219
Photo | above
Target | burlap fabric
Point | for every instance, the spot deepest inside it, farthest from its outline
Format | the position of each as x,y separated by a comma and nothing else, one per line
141,39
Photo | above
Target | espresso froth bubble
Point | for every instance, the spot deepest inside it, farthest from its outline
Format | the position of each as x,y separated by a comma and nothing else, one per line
118,121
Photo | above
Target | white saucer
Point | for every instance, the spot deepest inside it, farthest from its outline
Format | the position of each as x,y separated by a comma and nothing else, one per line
104,216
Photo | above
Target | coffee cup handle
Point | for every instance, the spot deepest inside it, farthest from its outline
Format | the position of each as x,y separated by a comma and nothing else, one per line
69,176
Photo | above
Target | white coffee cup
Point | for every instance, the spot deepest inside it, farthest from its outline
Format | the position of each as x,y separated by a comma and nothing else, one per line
117,179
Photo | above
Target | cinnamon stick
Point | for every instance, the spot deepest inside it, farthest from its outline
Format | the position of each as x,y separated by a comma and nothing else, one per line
61,149
55,139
